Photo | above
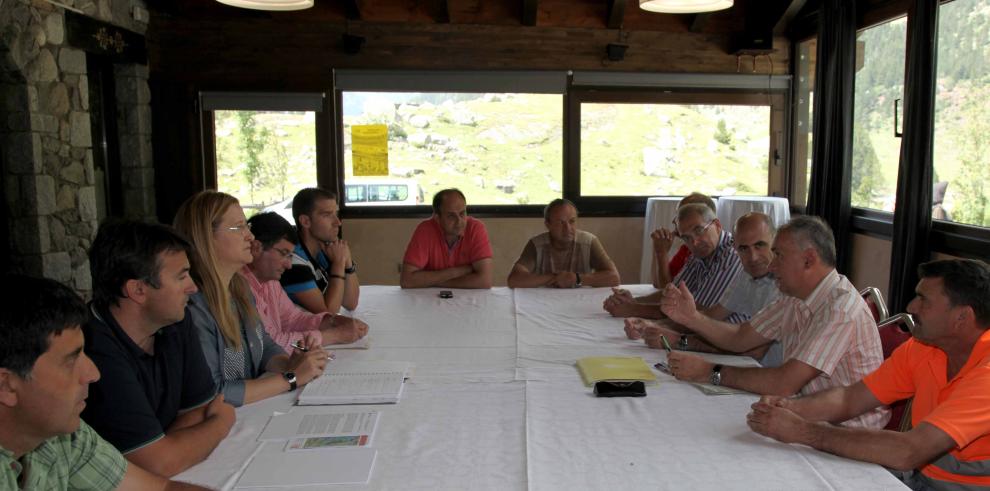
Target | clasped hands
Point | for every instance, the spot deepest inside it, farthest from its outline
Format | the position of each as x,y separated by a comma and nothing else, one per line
775,417
563,279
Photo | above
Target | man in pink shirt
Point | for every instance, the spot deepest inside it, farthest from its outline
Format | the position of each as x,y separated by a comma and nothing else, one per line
449,249
286,323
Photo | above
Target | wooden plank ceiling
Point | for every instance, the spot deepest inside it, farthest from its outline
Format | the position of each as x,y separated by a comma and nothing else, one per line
744,16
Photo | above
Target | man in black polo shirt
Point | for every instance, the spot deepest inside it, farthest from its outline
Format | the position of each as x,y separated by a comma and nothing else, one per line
155,400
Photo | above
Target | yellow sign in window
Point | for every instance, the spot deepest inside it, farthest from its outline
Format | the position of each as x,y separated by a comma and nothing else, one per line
369,149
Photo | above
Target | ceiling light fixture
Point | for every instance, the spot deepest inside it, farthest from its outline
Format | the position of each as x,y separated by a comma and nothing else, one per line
269,4
684,6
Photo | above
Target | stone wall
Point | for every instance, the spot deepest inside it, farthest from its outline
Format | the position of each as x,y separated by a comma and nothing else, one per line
45,137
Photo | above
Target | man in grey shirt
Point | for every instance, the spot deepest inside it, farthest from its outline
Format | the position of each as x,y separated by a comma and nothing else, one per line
746,295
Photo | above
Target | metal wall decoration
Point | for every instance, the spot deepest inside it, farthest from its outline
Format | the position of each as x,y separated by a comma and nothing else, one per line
118,44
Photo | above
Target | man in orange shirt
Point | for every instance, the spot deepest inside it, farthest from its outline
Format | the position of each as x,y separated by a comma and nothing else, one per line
945,367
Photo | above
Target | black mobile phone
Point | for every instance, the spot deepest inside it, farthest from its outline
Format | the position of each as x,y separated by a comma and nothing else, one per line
606,388
446,294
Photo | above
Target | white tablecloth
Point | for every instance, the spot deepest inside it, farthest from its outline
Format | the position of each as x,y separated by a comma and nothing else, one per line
496,403
730,208
660,212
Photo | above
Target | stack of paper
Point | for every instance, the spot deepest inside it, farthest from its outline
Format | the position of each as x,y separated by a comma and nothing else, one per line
356,383
307,448
620,369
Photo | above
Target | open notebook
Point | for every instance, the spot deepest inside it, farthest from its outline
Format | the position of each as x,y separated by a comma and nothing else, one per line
356,383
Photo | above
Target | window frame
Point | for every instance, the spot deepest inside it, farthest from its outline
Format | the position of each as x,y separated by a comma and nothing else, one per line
226,100
950,238
778,171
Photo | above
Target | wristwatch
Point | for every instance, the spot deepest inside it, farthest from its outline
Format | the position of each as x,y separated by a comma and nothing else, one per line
290,377
683,343
577,281
352,269
716,375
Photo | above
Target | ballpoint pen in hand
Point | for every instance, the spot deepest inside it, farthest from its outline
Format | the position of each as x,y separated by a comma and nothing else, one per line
666,345
300,347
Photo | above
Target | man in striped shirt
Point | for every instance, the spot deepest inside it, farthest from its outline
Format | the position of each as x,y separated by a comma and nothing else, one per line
828,335
945,368
711,268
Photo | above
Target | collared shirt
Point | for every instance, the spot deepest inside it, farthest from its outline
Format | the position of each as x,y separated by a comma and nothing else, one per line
428,249
229,367
833,331
585,255
707,279
139,395
285,322
746,296
79,460
307,272
960,407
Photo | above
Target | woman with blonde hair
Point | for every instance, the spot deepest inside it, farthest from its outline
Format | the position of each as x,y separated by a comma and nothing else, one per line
246,364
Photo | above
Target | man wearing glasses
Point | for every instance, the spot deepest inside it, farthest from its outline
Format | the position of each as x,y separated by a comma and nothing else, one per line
711,268
827,333
274,241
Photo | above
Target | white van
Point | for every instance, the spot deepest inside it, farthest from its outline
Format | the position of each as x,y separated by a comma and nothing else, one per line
370,191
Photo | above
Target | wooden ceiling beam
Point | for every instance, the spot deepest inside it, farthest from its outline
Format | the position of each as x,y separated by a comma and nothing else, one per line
791,10
529,12
440,11
352,9
696,22
616,13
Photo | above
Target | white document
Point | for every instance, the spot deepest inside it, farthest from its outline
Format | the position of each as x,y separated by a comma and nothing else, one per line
324,424
354,387
275,468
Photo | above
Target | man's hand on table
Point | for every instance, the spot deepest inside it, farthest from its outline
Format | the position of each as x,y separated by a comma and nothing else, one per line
772,416
689,367
653,330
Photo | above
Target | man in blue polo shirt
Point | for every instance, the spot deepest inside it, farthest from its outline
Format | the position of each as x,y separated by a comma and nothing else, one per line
155,401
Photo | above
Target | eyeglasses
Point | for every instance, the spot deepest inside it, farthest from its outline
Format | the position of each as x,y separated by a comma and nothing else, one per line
285,253
694,234
243,229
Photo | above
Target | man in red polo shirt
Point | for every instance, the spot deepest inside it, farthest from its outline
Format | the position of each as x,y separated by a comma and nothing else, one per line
449,249
945,367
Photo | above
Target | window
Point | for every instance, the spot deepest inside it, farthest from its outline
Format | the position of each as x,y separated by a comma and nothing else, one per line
264,158
803,118
639,149
880,55
498,148
635,135
962,106
264,146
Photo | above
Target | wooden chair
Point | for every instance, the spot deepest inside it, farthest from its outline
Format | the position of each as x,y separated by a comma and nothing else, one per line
874,300
894,331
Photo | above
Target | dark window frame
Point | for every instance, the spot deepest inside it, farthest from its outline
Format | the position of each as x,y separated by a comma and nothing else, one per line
619,206
955,239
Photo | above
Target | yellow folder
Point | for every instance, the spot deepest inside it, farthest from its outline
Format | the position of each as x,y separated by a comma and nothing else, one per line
617,368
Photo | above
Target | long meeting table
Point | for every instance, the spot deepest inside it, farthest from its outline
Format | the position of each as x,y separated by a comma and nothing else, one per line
495,402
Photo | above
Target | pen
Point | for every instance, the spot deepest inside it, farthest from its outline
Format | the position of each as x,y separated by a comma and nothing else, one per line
299,347
666,345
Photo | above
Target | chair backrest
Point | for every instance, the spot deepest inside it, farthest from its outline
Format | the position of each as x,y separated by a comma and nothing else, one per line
894,331
874,300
